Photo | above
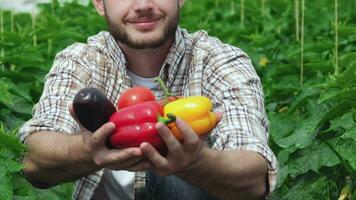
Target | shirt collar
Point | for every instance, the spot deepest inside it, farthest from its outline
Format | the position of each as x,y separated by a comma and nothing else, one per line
107,45
116,54
173,59
169,69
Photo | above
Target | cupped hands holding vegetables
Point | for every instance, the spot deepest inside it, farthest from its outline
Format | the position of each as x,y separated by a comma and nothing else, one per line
174,124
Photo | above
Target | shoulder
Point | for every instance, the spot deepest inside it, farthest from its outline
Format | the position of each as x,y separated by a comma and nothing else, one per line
211,47
81,59
85,51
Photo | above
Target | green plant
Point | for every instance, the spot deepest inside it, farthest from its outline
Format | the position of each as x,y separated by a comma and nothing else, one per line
313,129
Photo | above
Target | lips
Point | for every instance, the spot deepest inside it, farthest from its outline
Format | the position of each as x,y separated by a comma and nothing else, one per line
144,24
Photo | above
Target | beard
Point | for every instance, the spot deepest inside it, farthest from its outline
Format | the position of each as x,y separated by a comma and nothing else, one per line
120,34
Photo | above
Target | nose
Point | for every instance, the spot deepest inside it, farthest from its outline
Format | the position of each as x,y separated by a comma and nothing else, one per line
143,5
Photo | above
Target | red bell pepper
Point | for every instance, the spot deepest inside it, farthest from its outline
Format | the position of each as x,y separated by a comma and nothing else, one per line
136,124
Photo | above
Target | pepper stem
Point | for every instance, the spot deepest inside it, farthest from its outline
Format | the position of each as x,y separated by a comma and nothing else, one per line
171,118
163,87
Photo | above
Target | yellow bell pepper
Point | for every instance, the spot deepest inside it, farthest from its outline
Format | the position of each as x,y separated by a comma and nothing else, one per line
195,110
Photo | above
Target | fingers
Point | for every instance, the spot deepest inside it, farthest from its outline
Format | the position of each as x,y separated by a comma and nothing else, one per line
125,164
133,164
153,155
99,136
179,156
118,159
172,143
123,154
191,139
219,116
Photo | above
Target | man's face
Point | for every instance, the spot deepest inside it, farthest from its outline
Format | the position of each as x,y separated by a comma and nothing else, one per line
142,24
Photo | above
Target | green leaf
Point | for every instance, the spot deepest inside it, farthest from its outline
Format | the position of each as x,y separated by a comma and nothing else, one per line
17,77
5,97
20,105
320,46
5,187
310,188
347,149
335,94
11,120
346,121
23,60
335,111
306,128
305,94
282,126
347,59
346,30
282,175
22,189
12,166
353,195
329,93
348,77
316,66
9,142
11,39
302,137
312,158
350,132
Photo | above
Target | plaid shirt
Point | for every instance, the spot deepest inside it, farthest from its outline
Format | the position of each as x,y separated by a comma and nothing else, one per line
196,65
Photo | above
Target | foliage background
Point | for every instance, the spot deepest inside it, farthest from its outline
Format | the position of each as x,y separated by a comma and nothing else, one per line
307,63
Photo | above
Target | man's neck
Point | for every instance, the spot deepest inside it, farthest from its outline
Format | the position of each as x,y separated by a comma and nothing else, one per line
146,62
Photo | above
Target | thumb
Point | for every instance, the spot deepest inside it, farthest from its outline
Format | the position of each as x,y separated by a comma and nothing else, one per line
219,116
100,136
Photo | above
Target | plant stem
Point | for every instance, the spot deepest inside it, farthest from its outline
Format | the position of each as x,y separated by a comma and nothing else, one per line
49,48
336,38
53,6
263,7
302,46
12,23
296,17
163,87
217,3
242,12
171,118
33,17
1,31
232,8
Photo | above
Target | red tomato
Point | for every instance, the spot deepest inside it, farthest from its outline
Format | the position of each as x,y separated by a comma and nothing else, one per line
134,96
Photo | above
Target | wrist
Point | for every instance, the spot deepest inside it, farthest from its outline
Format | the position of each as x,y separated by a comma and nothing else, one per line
200,162
79,153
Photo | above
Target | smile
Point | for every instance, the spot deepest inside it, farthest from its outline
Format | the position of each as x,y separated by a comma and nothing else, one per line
144,24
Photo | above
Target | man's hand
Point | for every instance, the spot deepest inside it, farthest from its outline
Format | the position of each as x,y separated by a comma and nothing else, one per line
115,159
181,155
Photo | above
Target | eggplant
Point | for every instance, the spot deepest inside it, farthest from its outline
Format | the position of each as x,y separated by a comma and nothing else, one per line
92,108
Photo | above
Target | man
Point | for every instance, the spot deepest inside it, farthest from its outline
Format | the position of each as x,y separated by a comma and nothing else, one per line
144,42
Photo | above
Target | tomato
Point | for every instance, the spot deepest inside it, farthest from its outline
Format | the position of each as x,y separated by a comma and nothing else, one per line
134,96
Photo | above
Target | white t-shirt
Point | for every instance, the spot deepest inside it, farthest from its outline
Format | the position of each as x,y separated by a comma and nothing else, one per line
119,185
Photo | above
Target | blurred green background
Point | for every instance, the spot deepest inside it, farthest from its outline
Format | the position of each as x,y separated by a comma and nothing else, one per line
304,52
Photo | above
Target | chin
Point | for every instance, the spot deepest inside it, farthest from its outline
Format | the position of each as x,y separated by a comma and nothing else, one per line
147,35
148,40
